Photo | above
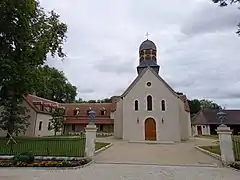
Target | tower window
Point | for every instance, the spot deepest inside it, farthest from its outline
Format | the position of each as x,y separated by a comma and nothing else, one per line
136,105
149,103
163,105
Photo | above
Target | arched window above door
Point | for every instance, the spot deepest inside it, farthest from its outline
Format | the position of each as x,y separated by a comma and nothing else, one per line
149,103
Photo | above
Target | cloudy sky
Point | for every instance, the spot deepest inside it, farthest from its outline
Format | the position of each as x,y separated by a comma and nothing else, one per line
198,50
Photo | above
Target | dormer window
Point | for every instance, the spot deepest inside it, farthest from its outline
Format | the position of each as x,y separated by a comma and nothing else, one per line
76,112
42,107
88,111
102,111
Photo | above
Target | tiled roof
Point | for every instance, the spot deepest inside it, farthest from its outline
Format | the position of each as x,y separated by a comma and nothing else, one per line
82,113
184,99
86,121
209,116
41,105
84,107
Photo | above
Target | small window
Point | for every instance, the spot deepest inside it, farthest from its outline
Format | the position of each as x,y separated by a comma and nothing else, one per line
40,126
42,108
49,126
204,127
163,105
136,105
73,127
149,103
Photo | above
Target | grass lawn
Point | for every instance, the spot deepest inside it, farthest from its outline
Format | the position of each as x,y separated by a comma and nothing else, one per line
52,146
209,136
213,149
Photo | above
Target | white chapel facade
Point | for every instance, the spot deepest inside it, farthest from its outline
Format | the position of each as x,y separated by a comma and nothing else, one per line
150,109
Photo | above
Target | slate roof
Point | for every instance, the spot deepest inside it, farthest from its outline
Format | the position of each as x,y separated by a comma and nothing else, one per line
182,97
209,116
147,44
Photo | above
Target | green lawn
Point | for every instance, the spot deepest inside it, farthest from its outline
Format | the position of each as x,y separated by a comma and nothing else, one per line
213,149
52,146
210,136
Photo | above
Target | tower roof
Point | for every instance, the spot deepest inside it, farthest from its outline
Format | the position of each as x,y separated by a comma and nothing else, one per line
147,44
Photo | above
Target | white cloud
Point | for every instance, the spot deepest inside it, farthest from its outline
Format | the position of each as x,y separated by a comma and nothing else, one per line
197,46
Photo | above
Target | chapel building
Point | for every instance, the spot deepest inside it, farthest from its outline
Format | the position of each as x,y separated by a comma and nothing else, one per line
150,109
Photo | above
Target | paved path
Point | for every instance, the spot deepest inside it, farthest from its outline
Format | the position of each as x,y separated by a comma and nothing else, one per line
172,154
122,172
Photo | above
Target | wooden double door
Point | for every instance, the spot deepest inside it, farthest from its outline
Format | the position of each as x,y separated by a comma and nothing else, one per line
150,129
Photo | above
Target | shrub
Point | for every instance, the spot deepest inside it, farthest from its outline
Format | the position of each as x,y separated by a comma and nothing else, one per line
26,157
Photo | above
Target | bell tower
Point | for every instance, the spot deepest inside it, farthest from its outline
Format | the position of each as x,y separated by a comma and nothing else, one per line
148,56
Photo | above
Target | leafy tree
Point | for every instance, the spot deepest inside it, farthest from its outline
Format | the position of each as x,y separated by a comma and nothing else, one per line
209,104
54,85
57,120
196,105
224,3
27,35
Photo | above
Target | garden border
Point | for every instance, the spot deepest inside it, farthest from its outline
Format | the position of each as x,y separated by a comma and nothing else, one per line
103,148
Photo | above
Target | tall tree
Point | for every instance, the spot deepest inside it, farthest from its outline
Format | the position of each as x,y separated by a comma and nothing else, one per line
195,106
224,3
27,35
52,84
57,120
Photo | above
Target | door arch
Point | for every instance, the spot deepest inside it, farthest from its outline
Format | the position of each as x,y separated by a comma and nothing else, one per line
150,129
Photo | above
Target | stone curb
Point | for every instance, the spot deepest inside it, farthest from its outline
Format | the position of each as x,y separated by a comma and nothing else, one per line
156,164
152,142
103,148
216,156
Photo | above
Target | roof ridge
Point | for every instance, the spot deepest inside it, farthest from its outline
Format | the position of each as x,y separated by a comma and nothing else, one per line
43,98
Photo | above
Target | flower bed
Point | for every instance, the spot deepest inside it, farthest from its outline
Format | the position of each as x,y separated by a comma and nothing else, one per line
43,163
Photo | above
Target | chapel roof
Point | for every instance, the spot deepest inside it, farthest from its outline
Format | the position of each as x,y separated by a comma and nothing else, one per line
181,96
